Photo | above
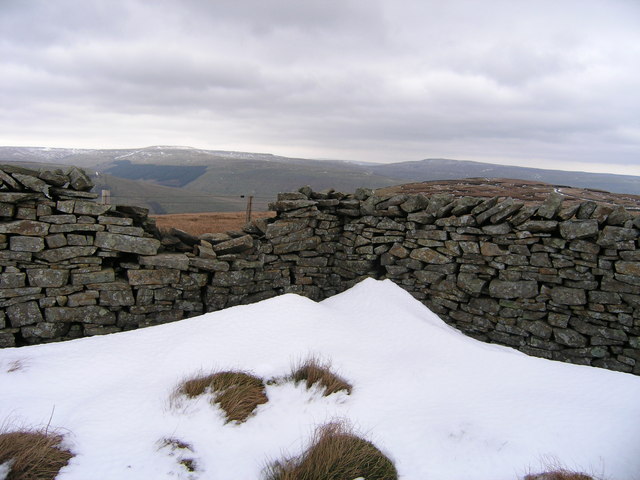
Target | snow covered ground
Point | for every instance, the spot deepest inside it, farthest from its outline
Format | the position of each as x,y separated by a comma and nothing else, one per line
441,405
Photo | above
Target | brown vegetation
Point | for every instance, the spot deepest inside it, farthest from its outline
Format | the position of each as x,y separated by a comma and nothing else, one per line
214,222
33,454
560,474
312,371
335,454
178,445
237,393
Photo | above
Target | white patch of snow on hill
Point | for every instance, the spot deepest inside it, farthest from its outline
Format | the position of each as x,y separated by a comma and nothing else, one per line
442,405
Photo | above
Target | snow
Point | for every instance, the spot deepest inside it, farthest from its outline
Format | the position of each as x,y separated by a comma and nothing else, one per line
442,405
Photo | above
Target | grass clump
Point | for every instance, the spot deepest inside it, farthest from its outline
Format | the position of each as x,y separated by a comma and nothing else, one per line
32,454
237,393
179,448
312,371
560,474
335,453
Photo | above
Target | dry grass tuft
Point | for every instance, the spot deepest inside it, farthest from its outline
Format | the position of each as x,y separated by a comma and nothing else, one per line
180,448
335,454
33,454
237,393
561,474
312,371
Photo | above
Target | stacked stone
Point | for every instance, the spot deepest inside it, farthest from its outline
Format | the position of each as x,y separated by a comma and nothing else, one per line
71,267
560,283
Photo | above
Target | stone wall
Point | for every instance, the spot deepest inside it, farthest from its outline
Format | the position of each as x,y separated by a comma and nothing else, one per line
552,280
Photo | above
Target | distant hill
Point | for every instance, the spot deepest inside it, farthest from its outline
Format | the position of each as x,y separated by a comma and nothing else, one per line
184,179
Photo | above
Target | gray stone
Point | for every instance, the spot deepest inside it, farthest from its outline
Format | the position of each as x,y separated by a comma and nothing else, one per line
618,216
430,256
65,253
628,268
87,297
235,245
89,314
539,226
569,337
306,244
25,227
610,236
208,264
12,280
161,276
22,314
126,243
572,229
47,277
32,183
53,177
103,276
15,197
568,296
415,203
44,330
551,206
26,244
78,180
521,289
287,205
229,279
177,261
470,283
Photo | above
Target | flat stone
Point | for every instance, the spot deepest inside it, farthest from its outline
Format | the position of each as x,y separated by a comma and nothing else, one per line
47,277
78,180
12,280
234,245
229,279
538,226
429,256
16,197
53,177
551,206
44,330
610,236
87,297
568,296
90,208
106,275
162,276
177,261
25,227
126,243
26,244
572,229
32,183
65,253
117,298
306,244
415,203
22,314
517,289
287,205
208,264
89,314
569,337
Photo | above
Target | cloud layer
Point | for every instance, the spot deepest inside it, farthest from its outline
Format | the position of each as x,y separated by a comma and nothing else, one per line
542,83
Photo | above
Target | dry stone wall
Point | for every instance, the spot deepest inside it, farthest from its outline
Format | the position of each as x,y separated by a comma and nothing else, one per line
555,281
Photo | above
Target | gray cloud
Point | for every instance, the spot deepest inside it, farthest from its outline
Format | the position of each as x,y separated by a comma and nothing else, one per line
510,81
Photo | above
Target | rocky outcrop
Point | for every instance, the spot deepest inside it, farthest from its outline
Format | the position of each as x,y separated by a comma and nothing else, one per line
559,282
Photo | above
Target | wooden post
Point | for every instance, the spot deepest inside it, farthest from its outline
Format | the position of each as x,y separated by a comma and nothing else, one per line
249,207
106,197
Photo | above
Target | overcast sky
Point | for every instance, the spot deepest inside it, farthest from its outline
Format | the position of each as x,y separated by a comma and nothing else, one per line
531,82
